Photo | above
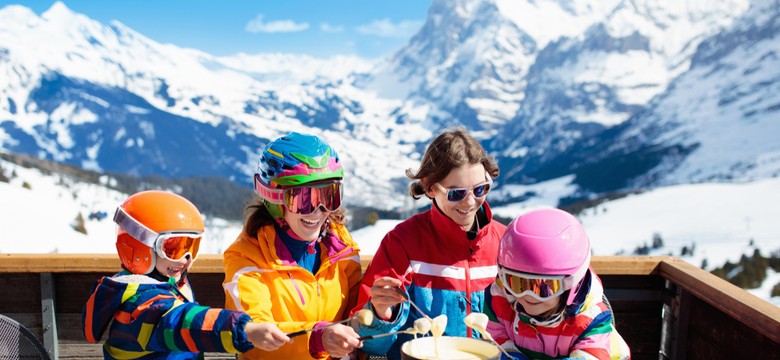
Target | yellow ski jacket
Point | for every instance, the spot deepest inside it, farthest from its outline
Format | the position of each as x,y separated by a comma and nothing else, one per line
262,280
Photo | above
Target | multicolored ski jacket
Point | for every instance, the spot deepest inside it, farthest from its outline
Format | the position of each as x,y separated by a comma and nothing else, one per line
586,332
153,320
262,279
443,271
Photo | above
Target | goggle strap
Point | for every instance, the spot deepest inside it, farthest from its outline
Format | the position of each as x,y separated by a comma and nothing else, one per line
579,274
134,228
274,196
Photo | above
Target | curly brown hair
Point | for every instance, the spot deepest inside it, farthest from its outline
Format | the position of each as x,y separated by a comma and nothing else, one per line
451,149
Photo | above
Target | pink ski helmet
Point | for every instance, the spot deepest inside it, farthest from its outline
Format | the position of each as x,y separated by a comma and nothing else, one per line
547,242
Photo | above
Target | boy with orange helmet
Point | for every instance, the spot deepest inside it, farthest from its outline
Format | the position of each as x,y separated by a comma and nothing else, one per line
151,302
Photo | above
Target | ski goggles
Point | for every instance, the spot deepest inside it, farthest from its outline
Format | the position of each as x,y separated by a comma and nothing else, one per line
304,199
176,246
540,287
458,194
172,246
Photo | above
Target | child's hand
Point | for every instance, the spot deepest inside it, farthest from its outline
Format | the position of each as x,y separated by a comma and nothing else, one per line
384,296
340,340
267,337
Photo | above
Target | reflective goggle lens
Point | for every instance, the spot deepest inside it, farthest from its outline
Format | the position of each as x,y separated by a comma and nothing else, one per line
542,288
305,200
461,193
177,247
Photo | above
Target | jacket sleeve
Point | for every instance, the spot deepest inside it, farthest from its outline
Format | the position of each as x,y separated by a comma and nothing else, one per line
156,319
196,328
500,314
600,340
390,260
99,310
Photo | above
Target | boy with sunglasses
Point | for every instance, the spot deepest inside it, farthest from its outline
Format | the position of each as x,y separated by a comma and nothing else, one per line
294,263
546,302
443,258
150,304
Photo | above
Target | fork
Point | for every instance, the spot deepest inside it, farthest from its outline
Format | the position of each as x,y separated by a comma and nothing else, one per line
406,297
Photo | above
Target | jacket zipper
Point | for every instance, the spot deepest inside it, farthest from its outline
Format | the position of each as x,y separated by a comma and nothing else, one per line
300,294
468,285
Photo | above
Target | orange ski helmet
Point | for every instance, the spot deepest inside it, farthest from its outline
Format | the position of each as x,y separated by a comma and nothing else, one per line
146,216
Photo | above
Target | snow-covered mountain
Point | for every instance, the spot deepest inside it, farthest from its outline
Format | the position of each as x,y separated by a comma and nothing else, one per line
622,94
106,98
718,121
585,82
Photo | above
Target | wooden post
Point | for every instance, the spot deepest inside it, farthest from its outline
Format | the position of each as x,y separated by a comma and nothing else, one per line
48,318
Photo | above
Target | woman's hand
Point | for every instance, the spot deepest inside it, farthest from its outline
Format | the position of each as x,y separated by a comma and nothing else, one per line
384,296
267,337
340,340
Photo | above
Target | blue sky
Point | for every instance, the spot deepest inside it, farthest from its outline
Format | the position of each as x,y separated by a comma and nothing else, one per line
367,28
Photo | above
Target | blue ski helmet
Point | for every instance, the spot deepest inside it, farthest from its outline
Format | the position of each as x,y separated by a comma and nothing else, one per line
292,160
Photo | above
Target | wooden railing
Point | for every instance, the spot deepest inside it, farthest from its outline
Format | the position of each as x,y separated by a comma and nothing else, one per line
664,307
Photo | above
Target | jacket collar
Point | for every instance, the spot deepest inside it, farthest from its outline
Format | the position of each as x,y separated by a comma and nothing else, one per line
278,255
442,224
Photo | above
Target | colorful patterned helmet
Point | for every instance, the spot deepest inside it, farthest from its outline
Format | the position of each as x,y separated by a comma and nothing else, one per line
292,160
547,242
143,217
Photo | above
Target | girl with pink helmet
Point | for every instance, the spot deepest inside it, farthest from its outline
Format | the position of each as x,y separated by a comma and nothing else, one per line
546,302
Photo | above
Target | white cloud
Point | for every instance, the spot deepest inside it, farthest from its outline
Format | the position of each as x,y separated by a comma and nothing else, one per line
386,28
331,28
258,26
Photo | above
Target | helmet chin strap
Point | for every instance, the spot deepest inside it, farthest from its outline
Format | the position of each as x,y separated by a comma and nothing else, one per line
157,275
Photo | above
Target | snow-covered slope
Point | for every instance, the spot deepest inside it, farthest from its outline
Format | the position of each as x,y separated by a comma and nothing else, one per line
39,212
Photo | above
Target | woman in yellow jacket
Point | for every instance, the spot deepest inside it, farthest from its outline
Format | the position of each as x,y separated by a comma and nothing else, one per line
294,263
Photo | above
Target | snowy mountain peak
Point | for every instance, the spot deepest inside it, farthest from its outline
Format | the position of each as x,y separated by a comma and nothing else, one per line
571,18
60,12
19,12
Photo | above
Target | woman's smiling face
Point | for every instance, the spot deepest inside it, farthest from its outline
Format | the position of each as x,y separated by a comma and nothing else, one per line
464,211
306,227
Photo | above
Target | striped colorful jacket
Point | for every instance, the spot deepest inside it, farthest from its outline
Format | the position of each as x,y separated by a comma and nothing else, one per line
586,331
262,279
444,272
152,320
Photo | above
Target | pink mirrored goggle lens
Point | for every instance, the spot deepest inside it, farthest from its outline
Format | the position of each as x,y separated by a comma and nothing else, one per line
305,200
